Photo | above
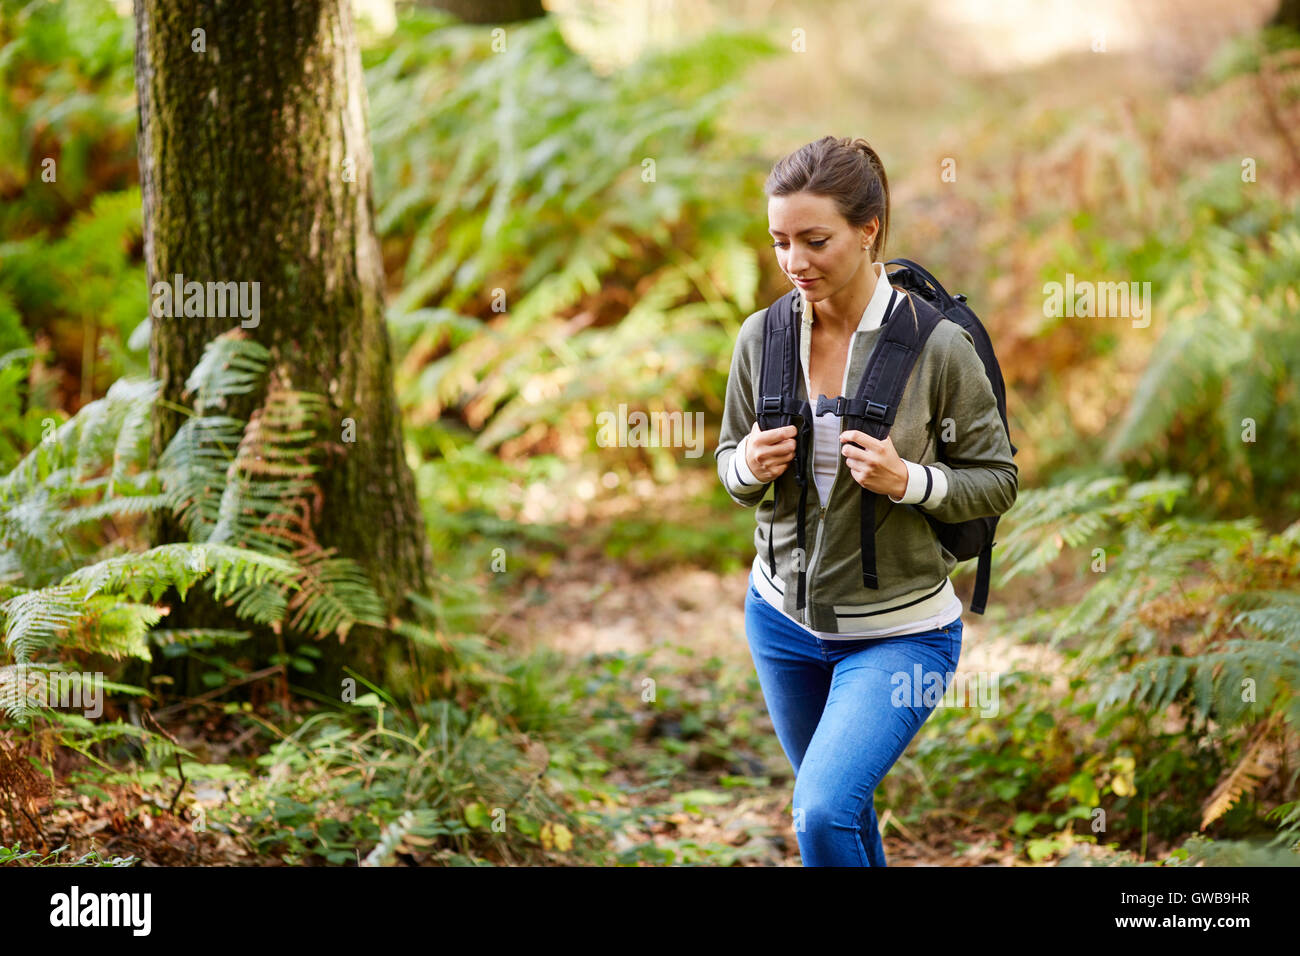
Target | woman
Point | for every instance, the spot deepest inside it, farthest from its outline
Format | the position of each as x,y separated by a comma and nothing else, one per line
838,672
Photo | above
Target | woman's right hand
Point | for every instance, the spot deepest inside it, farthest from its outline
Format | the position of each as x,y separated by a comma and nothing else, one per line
769,453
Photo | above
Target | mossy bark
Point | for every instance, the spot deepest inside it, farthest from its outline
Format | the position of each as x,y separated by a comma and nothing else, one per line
490,11
255,166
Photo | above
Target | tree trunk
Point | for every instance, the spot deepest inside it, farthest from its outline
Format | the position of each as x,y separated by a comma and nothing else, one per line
490,11
255,167
1287,14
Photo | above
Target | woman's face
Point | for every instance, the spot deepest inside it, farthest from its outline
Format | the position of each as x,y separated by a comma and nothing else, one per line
813,240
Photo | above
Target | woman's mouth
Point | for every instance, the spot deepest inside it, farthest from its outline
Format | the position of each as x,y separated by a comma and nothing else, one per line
805,283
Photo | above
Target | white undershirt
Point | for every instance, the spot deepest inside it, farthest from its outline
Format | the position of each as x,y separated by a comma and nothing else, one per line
826,452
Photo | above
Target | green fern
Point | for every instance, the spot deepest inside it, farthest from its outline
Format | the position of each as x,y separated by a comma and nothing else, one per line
1046,521
1183,613
34,620
242,490
1230,356
519,258
230,365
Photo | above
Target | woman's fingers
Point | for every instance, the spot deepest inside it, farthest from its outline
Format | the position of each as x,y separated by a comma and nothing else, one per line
775,434
776,442
772,450
776,455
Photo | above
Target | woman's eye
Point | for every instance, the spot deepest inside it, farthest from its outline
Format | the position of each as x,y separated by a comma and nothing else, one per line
816,242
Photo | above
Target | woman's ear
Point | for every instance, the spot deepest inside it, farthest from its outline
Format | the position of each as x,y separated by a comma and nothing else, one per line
868,235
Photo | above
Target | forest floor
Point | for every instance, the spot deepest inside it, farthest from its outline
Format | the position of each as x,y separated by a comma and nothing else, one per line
589,604
715,792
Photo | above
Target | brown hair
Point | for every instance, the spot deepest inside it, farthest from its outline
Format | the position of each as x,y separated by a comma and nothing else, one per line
846,170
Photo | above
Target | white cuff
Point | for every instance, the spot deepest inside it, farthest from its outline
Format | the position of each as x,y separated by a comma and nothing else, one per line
743,475
925,486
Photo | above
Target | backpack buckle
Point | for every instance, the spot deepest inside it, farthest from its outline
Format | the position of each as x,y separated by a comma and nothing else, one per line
826,407
771,404
877,411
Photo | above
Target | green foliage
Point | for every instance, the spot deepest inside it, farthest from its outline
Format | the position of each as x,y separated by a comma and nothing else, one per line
1177,618
86,281
67,86
70,223
1237,684
1045,521
1170,607
719,540
1243,54
472,499
239,488
574,239
22,414
1226,367
1199,851
17,855
425,776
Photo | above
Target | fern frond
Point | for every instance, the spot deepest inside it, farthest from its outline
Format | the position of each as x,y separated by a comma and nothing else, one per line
34,620
390,838
235,568
1278,617
335,594
1257,763
262,603
122,506
110,626
131,449
18,688
231,364
1228,683
205,636
1045,521
84,445
149,572
243,491
193,470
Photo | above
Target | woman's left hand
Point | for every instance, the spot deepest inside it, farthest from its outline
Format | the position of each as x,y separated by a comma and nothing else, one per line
876,465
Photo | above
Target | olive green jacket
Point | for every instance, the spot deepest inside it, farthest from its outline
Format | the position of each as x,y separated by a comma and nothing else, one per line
948,396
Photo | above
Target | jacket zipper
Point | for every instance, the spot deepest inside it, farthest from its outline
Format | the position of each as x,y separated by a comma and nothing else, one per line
830,493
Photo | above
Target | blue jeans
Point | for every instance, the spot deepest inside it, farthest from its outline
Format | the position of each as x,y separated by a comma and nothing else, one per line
844,712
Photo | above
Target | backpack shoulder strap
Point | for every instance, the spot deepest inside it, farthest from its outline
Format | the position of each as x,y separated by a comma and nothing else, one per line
780,366
780,405
875,404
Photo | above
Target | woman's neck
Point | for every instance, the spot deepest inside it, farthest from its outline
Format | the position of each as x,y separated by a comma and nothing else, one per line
841,313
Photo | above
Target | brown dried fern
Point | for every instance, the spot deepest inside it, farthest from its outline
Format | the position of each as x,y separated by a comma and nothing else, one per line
280,442
1256,765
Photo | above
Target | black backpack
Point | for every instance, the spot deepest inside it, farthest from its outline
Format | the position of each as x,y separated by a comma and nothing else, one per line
873,409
